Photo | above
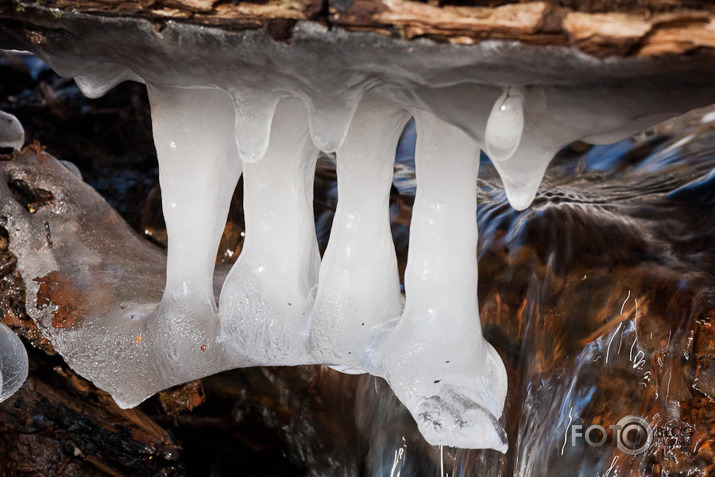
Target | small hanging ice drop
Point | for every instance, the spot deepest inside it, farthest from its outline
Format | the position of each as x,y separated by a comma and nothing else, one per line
505,125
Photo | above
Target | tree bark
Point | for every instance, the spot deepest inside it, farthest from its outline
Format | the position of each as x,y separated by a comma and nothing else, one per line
597,27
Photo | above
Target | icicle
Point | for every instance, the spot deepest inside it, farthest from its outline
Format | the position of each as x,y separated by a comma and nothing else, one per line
198,171
13,363
330,119
11,132
505,125
522,175
254,114
359,284
539,137
436,359
266,299
96,81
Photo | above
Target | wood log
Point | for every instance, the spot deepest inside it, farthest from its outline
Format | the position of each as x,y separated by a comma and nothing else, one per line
597,27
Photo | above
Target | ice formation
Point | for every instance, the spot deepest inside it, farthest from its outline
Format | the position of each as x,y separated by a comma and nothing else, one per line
226,104
13,357
11,132
13,363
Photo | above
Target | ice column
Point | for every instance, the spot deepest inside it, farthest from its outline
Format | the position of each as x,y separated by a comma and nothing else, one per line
359,282
436,359
267,297
13,363
198,171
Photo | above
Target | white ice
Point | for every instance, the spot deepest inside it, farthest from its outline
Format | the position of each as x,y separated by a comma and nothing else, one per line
505,125
268,295
198,172
359,287
436,359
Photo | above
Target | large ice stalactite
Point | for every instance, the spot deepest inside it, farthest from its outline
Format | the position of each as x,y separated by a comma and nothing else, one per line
199,169
268,295
265,110
436,360
359,287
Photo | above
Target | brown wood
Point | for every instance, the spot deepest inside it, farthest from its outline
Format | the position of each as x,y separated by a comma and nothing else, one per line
597,27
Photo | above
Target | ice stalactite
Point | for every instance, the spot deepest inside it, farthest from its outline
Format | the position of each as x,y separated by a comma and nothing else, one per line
436,359
97,80
330,117
254,114
198,171
13,363
505,125
359,286
268,295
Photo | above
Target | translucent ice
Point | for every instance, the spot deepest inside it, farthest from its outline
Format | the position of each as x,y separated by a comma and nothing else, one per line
505,125
268,295
436,359
11,132
359,286
92,285
13,363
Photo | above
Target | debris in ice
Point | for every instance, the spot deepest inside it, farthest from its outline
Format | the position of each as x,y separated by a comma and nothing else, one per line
231,103
13,363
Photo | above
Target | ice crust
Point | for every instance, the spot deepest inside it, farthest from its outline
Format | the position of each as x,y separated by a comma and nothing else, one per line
226,104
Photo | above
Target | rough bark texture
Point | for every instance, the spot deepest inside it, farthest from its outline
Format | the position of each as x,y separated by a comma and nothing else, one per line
598,27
